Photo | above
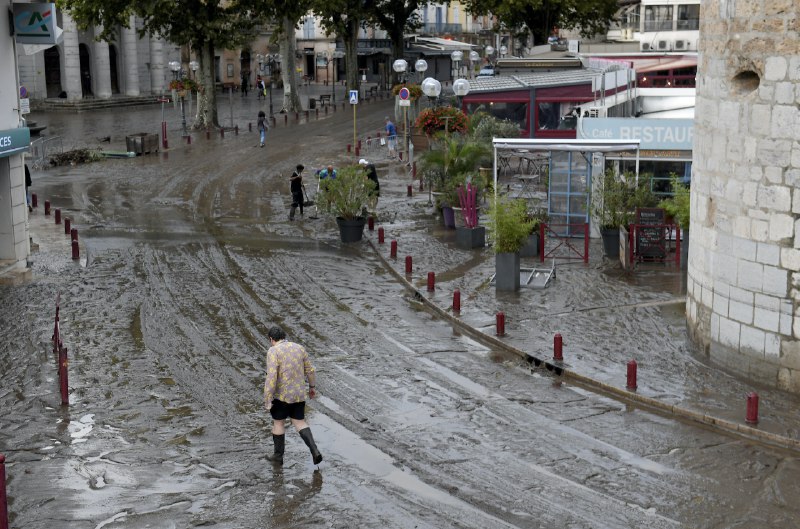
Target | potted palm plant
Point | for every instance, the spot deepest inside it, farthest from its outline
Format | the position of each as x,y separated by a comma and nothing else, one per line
615,204
346,197
509,227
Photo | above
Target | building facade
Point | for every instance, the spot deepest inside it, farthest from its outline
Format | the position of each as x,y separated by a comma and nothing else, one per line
744,256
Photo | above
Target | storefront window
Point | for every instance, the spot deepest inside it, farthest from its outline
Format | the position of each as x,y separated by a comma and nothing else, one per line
660,172
514,112
555,115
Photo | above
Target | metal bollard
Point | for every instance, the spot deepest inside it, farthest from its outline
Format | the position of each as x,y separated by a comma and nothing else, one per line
63,375
58,215
3,498
75,250
286,119
46,207
558,345
67,225
631,379
249,127
222,132
306,116
752,408
371,223
236,130
358,151
501,324
409,192
34,200
380,235
431,281
393,250
409,267
456,300
74,234
421,185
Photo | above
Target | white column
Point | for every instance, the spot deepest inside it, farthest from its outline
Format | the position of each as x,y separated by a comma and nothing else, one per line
156,64
102,67
72,59
130,60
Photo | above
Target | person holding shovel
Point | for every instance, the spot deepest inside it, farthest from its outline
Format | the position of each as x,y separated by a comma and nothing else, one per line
296,187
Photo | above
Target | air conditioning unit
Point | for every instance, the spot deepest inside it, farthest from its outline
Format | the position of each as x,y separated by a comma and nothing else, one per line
646,46
595,112
682,45
663,45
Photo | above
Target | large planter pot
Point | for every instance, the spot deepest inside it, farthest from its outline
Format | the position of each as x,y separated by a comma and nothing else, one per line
506,267
531,248
469,238
351,230
459,216
610,242
449,217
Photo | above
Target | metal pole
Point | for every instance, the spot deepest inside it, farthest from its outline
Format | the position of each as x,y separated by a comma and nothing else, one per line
230,101
271,84
183,117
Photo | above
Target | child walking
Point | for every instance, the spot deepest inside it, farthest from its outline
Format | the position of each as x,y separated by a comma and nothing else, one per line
262,125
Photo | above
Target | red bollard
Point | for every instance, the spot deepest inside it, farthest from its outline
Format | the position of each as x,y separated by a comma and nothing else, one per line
380,235
358,151
393,250
501,324
208,134
456,301
164,142
414,171
631,382
371,223
67,223
410,192
409,266
34,200
306,116
63,375
58,215
400,154
286,119
431,281
189,140
74,234
359,145
3,499
76,253
222,132
421,186
752,408
558,345
348,147
46,207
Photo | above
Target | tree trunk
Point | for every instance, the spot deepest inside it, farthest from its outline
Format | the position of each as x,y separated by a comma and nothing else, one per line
207,100
291,96
350,39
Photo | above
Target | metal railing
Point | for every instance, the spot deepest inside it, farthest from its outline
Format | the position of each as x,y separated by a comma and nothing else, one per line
42,148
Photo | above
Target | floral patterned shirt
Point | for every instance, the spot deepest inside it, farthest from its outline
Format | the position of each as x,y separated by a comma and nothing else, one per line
288,366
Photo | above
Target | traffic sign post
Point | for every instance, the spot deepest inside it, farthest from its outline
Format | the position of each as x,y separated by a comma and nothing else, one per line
354,103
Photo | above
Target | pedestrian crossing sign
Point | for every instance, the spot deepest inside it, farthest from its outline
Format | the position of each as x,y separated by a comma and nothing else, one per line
353,97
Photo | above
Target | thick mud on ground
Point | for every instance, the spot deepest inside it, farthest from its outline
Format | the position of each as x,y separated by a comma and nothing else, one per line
191,258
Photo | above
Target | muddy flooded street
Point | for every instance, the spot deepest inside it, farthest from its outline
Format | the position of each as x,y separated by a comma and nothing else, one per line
189,258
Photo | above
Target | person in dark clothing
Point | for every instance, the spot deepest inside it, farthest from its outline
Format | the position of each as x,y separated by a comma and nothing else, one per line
296,187
372,174
245,82
28,183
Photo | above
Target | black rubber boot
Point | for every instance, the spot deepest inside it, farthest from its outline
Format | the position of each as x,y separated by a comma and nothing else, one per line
280,444
305,433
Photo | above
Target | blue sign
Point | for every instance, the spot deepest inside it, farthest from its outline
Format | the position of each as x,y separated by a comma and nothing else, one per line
353,97
654,134
14,141
404,93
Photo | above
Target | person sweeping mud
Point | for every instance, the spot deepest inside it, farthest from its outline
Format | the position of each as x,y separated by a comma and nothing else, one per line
288,367
296,187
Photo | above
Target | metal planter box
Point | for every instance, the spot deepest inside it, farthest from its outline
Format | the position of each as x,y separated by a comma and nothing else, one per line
142,143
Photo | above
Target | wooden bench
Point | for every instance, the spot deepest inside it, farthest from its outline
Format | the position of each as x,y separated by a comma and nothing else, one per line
325,99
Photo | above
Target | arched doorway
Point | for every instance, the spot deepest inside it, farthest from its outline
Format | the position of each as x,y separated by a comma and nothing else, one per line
86,71
112,59
52,72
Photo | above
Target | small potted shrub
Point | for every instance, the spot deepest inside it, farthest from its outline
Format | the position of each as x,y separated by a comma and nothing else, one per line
509,227
346,197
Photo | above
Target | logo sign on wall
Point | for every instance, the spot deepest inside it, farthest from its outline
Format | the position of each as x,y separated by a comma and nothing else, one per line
35,24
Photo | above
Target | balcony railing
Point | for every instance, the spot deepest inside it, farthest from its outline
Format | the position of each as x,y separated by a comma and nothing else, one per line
440,29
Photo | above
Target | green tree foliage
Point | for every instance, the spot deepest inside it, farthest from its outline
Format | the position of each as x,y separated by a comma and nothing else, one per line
540,16
396,17
343,18
204,25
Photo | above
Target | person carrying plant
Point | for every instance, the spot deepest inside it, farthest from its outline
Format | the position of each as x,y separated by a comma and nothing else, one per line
296,187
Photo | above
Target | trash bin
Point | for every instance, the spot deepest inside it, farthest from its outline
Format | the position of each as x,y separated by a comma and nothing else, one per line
141,143
312,103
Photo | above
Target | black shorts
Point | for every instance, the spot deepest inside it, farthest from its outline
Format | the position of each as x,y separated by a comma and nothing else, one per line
281,410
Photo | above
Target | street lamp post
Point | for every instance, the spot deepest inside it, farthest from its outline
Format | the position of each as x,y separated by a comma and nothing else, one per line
460,89
175,66
456,57
432,88
474,57
488,55
400,66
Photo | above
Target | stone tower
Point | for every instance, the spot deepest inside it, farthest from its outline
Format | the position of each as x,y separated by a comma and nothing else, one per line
744,258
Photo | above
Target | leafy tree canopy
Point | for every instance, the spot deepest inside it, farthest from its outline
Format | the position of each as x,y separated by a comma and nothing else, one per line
539,17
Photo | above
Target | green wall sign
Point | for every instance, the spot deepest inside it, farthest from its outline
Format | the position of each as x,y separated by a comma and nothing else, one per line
14,141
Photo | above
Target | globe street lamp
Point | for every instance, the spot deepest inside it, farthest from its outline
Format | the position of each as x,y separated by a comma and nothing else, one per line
460,88
421,66
400,66
431,88
489,50
194,65
456,57
175,66
474,57
503,51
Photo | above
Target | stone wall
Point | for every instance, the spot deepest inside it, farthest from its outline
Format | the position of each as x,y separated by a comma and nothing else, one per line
744,261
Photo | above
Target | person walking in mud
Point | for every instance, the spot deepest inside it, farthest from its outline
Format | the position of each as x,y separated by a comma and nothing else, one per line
288,368
296,187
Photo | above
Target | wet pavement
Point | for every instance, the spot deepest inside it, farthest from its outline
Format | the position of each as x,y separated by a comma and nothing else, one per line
187,258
